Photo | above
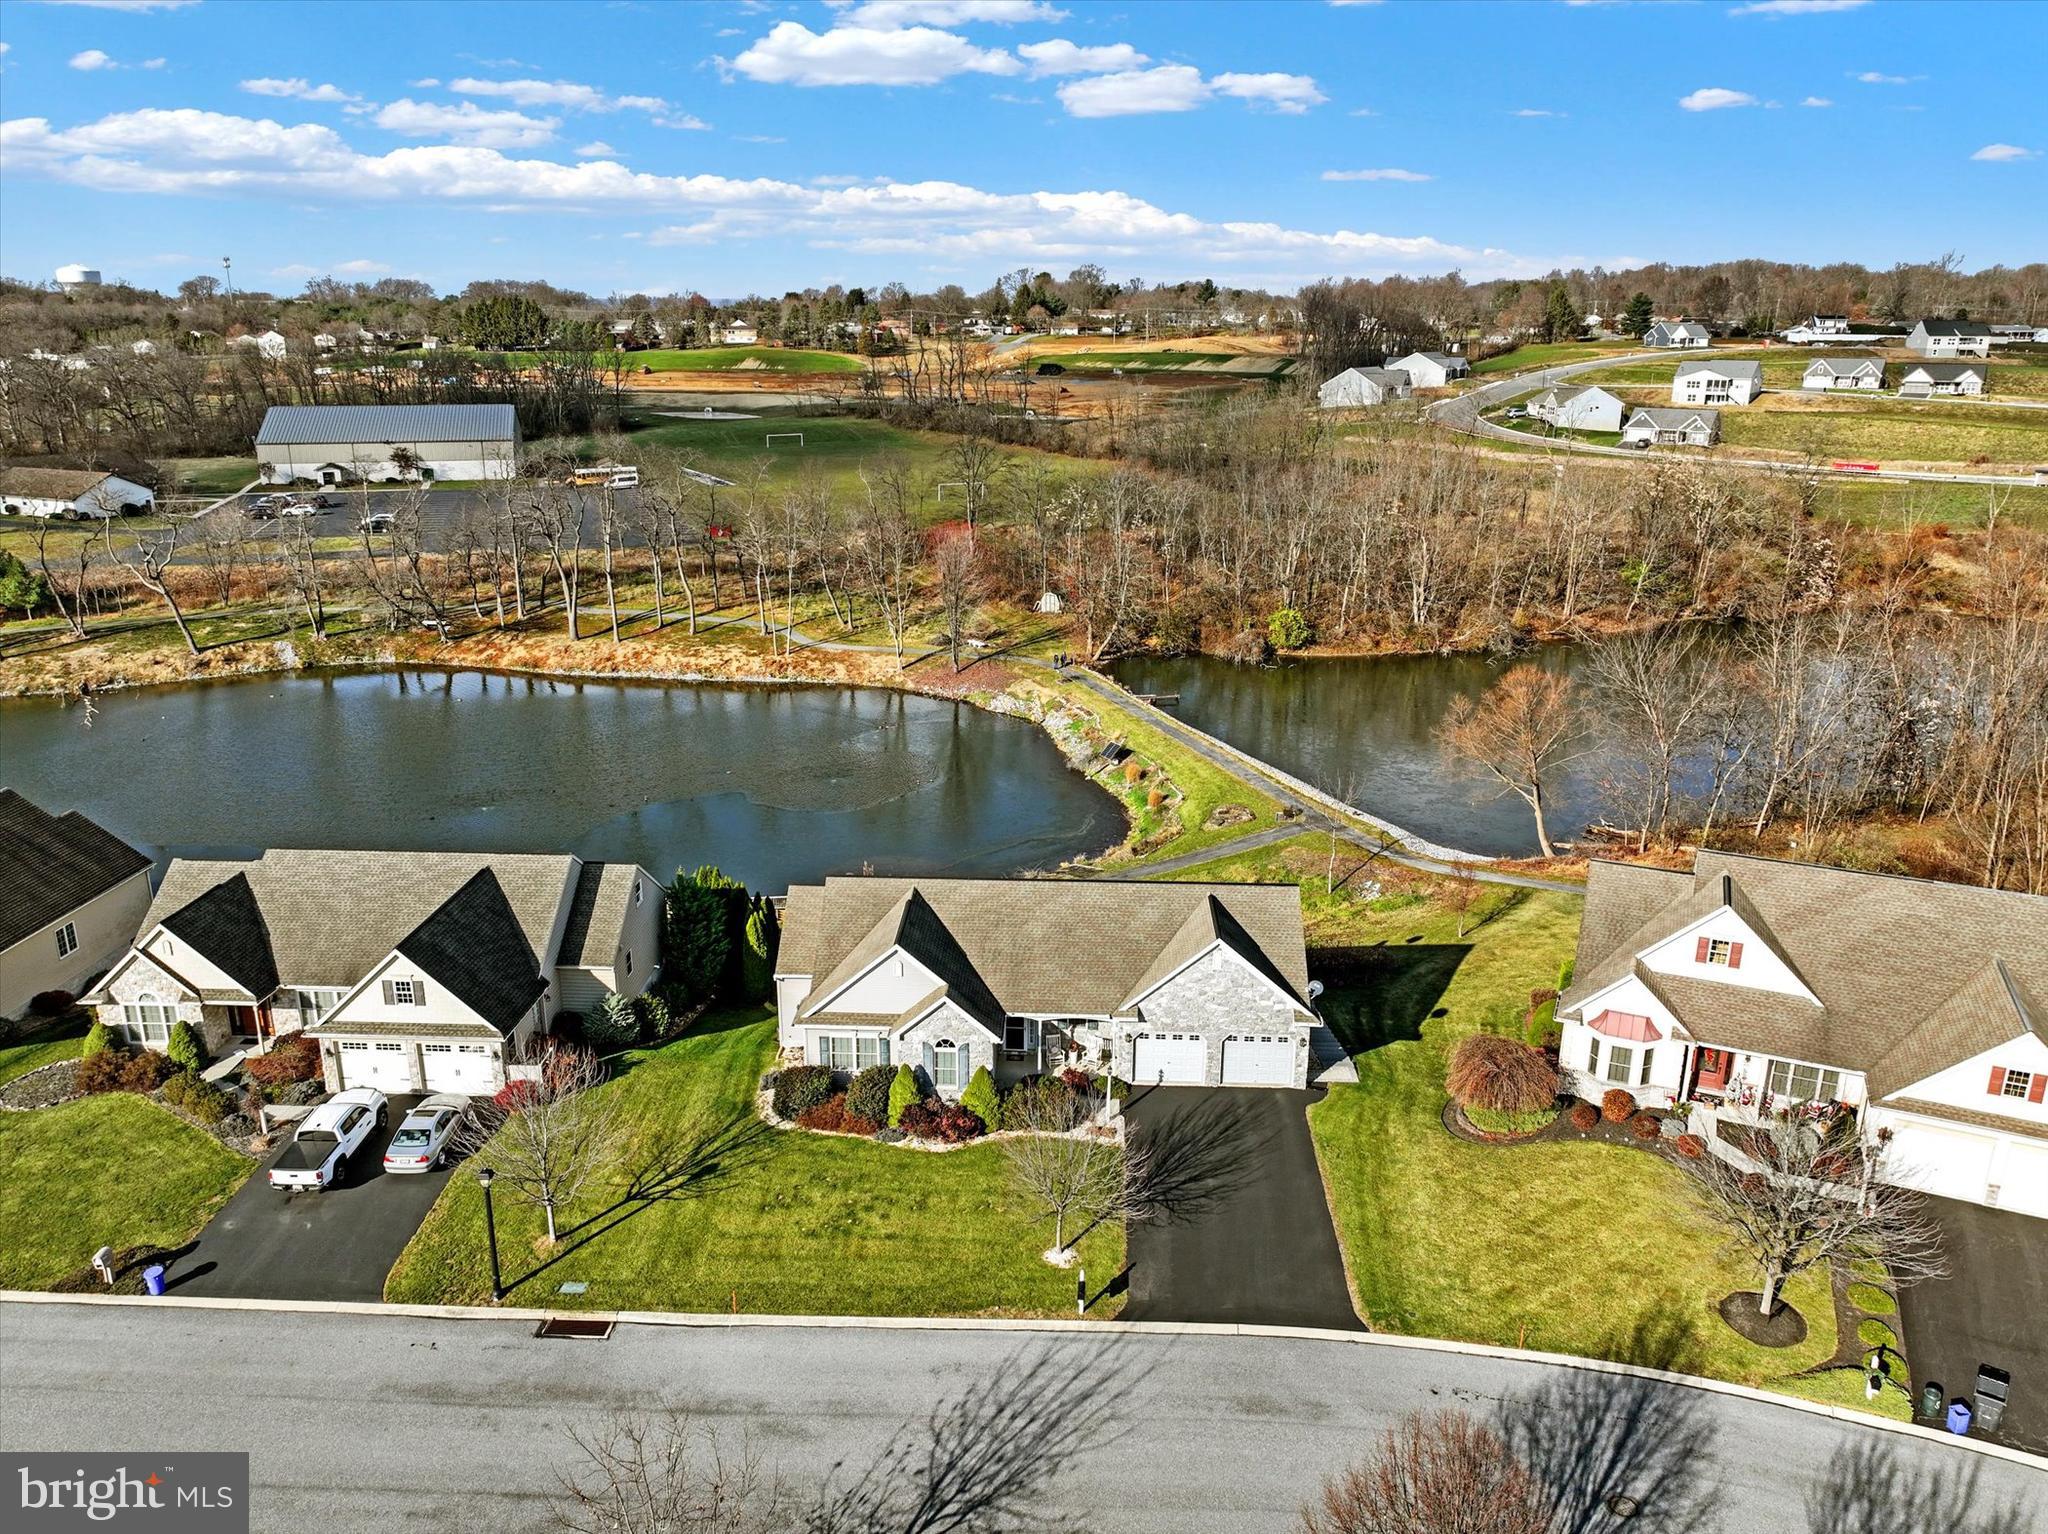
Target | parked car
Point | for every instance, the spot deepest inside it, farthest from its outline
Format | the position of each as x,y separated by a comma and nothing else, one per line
305,506
324,500
422,1139
327,1137
379,522
263,507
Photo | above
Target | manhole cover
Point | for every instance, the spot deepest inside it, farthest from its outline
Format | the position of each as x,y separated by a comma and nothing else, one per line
585,1328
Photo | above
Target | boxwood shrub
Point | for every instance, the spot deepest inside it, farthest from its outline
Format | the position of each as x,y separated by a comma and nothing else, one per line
799,1088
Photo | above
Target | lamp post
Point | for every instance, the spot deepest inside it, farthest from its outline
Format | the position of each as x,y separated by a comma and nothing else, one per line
483,1177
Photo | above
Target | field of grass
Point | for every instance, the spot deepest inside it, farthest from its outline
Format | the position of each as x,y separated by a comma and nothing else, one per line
759,1220
61,1040
1882,503
113,1170
210,476
714,359
1891,430
1572,1247
1549,355
1231,364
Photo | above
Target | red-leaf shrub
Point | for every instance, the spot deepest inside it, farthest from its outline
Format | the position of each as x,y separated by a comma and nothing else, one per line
293,1058
1076,1079
515,1095
1584,1117
948,1123
101,1072
1616,1105
145,1071
829,1114
1500,1075
1692,1147
1644,1126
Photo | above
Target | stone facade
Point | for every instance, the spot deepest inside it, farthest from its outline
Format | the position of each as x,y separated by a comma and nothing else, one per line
142,978
947,1022
1216,996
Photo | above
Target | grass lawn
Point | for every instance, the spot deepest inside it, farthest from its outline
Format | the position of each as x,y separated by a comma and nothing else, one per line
783,1222
61,1040
1571,1247
1931,431
1890,503
713,359
1549,355
114,1170
210,476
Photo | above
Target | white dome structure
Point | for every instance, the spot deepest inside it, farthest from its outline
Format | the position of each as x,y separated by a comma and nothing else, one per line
70,278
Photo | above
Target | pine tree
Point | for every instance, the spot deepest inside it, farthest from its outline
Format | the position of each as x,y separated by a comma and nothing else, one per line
903,1093
183,1048
1639,315
757,960
981,1098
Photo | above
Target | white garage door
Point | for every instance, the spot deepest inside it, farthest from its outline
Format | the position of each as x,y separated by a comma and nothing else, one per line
387,1067
1950,1163
2023,1178
1174,1058
1258,1060
471,1069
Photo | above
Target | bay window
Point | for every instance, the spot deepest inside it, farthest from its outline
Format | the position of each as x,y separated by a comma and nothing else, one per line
1619,1058
147,1021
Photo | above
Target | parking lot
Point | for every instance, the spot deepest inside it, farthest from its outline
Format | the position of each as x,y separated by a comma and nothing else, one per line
333,1245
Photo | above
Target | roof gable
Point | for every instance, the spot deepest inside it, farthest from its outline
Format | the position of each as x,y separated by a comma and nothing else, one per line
472,944
226,926
50,865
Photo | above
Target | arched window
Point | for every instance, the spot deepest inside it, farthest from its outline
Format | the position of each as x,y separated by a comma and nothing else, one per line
147,1020
946,1065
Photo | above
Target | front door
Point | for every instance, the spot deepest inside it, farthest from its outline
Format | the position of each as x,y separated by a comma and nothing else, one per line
1715,1065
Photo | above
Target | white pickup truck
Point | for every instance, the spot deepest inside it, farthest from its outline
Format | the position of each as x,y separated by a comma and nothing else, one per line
327,1137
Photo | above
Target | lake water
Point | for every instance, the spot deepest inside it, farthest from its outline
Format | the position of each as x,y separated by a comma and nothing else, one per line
774,785
1361,728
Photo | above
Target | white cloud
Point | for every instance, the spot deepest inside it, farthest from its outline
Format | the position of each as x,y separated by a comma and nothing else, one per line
425,85
196,153
1290,94
1060,57
944,13
760,138
1714,98
297,89
362,268
153,63
1874,77
567,94
1169,88
1816,101
792,54
466,123
596,149
837,180
1537,112
2004,152
1795,7
1376,175
125,5
1362,112
92,58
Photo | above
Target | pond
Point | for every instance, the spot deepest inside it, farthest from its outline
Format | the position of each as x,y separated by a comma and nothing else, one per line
775,785
1361,728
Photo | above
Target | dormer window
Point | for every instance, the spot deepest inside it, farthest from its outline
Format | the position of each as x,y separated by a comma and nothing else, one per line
2017,1084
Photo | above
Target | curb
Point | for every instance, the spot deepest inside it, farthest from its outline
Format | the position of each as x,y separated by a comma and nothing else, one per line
713,1321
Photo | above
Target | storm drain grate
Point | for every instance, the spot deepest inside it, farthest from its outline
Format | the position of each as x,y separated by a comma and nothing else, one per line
580,1328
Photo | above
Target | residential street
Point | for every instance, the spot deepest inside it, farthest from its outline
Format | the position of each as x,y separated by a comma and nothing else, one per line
376,1422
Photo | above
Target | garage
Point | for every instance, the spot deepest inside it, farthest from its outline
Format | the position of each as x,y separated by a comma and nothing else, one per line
1258,1060
1950,1163
1178,1059
470,1069
2023,1177
385,1066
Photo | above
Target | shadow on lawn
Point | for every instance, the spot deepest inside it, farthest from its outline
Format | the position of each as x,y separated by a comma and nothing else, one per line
683,1163
1867,1489
1592,1438
1384,993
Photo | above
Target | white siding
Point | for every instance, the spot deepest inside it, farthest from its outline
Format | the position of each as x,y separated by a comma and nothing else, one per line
105,926
1761,969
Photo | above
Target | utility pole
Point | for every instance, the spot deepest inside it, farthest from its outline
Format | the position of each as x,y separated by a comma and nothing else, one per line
227,265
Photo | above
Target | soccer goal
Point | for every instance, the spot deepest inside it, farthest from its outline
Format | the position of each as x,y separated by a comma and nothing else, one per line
773,437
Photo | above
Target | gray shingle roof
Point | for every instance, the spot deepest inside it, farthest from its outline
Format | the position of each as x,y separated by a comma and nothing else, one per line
51,484
472,944
1965,329
296,425
1945,372
50,865
1040,946
597,914
227,926
1912,975
1753,371
1671,416
1842,367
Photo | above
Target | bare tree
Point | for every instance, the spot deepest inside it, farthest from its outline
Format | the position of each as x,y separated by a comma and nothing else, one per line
954,565
1461,893
72,612
148,564
1434,1473
1658,687
220,547
563,1136
1520,731
1820,1198
1066,1168
667,1475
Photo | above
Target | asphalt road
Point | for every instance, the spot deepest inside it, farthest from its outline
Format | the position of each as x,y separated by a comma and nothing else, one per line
379,1422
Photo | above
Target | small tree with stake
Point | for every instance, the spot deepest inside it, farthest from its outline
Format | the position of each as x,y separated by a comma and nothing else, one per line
1818,1200
553,1137
1065,1170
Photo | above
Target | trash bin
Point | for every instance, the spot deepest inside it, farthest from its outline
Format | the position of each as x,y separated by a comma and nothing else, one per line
153,1278
1930,1399
1993,1386
1959,1416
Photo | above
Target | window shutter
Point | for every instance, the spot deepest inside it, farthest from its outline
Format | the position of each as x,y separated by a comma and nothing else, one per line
419,993
1997,1080
2034,1092
387,993
1735,956
1699,953
931,1063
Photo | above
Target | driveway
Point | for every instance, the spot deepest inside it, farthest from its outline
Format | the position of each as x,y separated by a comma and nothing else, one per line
333,1245
1993,1310
1244,1231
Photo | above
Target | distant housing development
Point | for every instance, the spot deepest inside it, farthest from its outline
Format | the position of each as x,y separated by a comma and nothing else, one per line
1670,426
335,444
1843,373
1950,338
1584,408
1717,383
1432,370
1678,333
70,493
1926,378
1358,387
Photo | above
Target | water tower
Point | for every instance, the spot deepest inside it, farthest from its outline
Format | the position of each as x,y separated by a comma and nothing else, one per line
72,278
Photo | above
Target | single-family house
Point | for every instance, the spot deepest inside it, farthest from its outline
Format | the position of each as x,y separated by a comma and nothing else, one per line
1751,987
1678,333
1355,388
2007,335
1950,338
1922,379
1196,984
74,892
416,971
1828,373
270,345
1432,370
71,494
331,444
1579,408
1828,324
1670,426
324,342
739,333
1717,383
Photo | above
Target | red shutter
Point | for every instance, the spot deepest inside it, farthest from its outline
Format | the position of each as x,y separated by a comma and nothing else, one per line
1997,1080
1735,956
1699,954
2034,1092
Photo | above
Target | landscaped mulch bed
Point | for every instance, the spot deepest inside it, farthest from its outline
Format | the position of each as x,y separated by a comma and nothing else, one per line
1786,1328
1464,1129
44,1087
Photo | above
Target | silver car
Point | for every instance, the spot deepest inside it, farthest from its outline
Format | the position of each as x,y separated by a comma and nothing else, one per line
422,1140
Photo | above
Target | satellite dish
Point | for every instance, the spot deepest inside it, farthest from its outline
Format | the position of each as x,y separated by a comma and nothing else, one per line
1315,989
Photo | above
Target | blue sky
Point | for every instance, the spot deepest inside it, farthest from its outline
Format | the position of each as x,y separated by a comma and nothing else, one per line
730,147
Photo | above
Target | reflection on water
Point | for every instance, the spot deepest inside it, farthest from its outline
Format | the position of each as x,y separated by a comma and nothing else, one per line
774,785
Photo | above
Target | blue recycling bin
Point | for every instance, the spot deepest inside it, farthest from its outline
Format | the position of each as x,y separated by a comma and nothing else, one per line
1959,1416
153,1280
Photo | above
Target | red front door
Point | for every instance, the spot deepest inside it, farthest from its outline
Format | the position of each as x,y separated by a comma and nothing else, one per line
1715,1065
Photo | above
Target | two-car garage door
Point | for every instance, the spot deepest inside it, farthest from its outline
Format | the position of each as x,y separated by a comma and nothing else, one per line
1964,1164
1182,1059
387,1065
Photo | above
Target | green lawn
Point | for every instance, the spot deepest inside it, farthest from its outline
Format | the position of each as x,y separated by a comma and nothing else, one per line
1894,430
210,476
1572,1247
774,1222
61,1040
1549,355
114,1170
